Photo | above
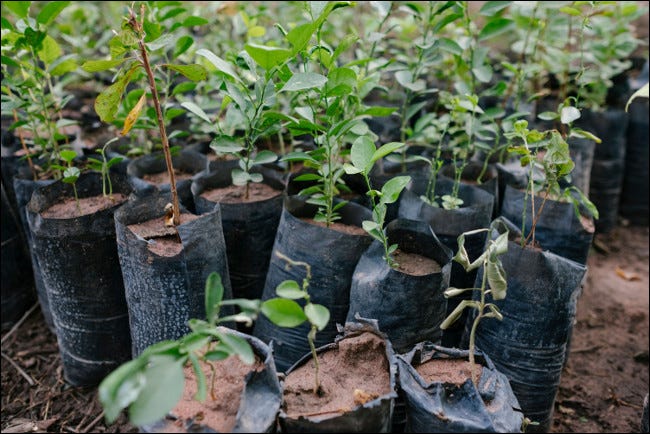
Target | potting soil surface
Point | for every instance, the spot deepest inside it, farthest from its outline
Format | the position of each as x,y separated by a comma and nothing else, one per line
601,389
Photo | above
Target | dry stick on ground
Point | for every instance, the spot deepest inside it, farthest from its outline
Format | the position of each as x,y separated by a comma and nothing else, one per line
19,369
19,323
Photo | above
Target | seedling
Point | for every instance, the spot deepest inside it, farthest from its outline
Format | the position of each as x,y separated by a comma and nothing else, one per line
494,276
286,312
555,164
151,384
130,52
363,156
70,173
103,167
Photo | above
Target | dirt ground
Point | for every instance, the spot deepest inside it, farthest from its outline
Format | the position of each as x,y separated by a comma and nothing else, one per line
601,390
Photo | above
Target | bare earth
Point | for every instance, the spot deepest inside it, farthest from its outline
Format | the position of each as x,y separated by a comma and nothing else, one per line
601,390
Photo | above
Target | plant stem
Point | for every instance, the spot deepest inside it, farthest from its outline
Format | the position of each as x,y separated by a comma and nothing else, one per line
310,337
163,134
472,334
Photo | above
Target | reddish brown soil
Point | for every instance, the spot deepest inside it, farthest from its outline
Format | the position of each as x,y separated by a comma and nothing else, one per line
455,371
257,192
352,374
414,264
601,389
162,178
68,207
220,412
163,240
340,227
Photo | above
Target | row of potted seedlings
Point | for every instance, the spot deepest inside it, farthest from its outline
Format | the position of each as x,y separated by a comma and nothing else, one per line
121,265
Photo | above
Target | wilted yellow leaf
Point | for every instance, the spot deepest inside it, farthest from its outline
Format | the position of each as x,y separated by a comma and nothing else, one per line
133,115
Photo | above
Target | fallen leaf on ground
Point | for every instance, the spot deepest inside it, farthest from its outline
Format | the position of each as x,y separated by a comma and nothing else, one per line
625,275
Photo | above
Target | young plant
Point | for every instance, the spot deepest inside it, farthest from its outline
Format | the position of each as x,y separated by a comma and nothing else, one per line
151,384
248,98
284,311
493,282
554,163
363,156
70,173
130,50
31,61
104,167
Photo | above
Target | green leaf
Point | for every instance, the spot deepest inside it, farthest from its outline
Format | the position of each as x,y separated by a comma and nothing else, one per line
342,76
220,352
193,20
183,87
361,153
548,116
495,27
107,102
121,387
67,155
267,57
386,149
299,36
579,132
342,46
265,157
163,387
317,314
213,296
290,289
201,390
70,175
50,11
500,245
496,277
569,114
391,190
461,255
194,71
183,44
239,346
239,177
283,312
304,80
63,65
256,32
491,8
196,110
20,9
218,63
379,111
225,145
570,11
483,73
162,42
348,168
192,342
50,50
450,46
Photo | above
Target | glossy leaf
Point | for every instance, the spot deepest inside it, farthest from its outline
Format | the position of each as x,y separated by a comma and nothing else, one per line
361,153
386,149
495,27
107,102
290,289
569,114
196,110
239,346
194,72
391,190
493,7
20,9
304,80
218,63
101,65
225,145
50,11
183,44
317,314
265,157
283,312
71,174
267,57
